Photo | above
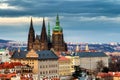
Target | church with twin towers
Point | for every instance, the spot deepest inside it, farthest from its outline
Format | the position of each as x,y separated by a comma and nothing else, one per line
46,41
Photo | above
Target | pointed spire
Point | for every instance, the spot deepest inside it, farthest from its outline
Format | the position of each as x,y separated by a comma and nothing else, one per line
48,29
43,25
43,32
77,48
19,50
31,24
86,48
31,29
57,21
31,36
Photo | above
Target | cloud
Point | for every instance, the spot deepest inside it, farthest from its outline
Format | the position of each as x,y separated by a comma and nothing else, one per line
90,8
101,18
6,6
20,20
82,20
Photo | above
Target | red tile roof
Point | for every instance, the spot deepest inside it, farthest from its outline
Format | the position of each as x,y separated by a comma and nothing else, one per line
109,74
7,76
62,58
9,65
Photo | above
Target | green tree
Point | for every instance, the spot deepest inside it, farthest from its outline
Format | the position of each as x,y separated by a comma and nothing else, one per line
105,69
77,72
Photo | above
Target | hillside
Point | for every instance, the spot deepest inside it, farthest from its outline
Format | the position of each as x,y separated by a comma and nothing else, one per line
4,41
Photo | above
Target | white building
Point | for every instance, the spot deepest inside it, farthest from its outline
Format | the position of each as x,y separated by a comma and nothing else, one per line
88,60
4,55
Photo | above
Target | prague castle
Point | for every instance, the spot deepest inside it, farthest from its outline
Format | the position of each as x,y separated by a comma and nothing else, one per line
45,41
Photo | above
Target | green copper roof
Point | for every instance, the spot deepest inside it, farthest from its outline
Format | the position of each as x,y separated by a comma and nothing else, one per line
48,29
57,27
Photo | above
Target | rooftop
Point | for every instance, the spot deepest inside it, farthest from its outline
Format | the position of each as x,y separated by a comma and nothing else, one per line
62,58
90,54
44,54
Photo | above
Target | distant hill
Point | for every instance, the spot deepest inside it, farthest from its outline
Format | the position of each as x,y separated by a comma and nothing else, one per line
4,41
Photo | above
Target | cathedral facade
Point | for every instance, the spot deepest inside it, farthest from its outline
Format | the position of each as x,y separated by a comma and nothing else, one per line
45,41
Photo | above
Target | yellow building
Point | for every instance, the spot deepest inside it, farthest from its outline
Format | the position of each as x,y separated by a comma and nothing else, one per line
64,66
44,63
74,61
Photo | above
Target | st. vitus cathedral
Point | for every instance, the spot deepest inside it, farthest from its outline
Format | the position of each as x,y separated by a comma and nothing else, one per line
45,41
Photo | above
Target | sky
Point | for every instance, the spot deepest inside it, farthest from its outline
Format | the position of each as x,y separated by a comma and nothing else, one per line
82,20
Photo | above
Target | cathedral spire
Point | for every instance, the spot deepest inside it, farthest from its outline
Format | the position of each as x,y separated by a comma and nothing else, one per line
49,36
48,29
43,36
57,26
31,25
57,21
31,36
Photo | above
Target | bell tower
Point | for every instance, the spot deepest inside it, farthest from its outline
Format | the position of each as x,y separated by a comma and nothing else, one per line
58,43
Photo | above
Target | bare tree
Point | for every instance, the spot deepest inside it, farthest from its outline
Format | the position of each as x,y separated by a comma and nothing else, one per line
99,66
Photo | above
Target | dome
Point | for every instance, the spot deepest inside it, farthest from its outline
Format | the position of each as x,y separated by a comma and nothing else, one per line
57,28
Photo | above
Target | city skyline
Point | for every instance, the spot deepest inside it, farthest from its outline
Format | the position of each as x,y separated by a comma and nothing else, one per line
82,21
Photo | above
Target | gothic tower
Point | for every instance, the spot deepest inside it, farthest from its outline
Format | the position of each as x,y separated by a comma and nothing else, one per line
31,36
43,38
58,43
36,45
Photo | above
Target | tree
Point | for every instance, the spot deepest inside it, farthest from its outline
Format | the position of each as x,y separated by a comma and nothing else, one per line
105,69
77,72
99,66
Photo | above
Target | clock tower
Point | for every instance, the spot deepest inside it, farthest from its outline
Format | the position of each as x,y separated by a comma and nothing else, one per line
58,43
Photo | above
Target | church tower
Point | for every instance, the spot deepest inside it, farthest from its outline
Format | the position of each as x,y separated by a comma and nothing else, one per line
31,36
36,45
49,37
43,38
58,43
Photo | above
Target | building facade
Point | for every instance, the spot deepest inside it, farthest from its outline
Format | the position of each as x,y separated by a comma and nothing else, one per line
44,63
4,55
64,66
88,60
74,61
44,41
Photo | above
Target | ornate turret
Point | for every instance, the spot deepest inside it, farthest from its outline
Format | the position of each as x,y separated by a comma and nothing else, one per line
57,20
31,36
86,48
57,27
77,48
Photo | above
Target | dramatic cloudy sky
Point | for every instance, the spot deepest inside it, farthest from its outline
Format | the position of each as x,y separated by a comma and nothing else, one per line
81,20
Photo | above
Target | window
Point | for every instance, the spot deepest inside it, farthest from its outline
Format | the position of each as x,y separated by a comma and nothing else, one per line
40,72
40,66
